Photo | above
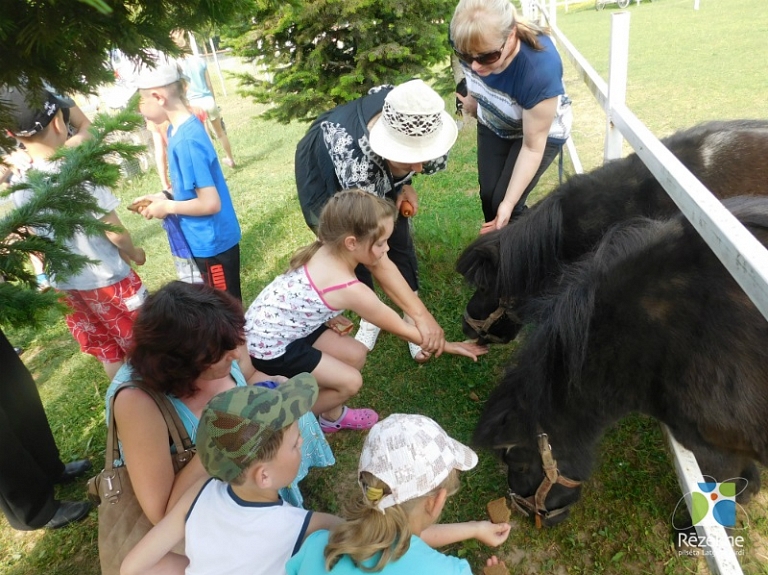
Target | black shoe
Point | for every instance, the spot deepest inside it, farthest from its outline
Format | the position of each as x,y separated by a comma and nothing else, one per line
68,512
74,469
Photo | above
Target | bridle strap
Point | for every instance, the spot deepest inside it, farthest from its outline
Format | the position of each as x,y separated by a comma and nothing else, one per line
536,504
481,327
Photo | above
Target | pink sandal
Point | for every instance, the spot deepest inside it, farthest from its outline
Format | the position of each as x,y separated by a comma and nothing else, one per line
357,419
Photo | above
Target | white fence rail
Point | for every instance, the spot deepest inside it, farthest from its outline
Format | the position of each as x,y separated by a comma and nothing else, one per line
744,257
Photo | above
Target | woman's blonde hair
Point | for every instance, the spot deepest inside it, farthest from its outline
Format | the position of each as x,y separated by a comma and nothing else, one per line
348,213
475,22
368,531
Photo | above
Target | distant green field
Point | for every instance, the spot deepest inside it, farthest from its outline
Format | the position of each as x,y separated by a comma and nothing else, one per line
686,66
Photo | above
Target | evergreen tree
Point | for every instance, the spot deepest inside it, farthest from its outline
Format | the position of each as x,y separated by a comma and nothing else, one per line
325,52
67,44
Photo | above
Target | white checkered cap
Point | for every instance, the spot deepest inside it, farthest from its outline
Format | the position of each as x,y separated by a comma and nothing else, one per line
413,455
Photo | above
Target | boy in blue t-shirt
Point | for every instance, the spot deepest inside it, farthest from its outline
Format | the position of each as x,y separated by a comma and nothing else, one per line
200,197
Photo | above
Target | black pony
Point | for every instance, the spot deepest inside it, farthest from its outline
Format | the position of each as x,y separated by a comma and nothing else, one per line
649,322
508,266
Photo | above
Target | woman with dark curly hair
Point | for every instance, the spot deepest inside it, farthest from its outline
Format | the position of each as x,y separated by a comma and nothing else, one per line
189,345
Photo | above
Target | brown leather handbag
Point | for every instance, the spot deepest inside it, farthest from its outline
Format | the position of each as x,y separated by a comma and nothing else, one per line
122,523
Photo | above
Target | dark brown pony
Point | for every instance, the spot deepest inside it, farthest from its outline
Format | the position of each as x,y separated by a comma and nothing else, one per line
509,266
649,322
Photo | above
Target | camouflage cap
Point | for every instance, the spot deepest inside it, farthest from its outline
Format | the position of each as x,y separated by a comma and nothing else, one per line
236,423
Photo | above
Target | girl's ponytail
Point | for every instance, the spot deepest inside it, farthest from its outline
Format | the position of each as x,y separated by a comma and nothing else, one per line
368,530
303,255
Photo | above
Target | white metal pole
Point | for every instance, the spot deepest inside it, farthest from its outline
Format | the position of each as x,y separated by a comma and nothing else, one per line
193,44
695,4
617,81
218,68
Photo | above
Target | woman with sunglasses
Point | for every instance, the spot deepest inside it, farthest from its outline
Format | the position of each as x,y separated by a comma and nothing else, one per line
515,89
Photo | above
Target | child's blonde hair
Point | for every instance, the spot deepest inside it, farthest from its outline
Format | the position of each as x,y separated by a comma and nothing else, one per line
348,213
369,530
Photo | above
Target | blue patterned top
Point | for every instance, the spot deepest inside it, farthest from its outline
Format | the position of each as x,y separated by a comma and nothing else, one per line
315,451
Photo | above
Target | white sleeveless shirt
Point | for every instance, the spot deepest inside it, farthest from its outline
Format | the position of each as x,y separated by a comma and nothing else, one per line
226,535
288,309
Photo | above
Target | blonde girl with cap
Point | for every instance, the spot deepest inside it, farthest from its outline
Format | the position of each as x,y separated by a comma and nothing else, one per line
408,468
287,329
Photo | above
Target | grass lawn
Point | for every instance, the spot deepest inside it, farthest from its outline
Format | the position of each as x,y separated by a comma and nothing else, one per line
685,67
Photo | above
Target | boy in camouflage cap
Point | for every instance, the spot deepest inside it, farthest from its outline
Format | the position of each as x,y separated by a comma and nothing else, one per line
248,440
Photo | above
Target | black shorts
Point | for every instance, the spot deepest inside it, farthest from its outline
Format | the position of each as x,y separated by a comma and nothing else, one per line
299,357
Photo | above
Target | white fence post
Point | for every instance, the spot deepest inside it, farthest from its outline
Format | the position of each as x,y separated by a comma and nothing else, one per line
617,81
695,4
552,12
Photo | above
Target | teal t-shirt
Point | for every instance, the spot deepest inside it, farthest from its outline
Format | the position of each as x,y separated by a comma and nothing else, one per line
420,558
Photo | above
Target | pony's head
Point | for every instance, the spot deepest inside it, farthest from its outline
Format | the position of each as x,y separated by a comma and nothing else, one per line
509,266
489,317
546,459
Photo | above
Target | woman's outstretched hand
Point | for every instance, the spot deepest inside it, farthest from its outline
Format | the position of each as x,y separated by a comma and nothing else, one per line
503,213
466,348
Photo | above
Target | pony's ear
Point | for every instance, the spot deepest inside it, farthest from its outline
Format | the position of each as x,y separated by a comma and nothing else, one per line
479,262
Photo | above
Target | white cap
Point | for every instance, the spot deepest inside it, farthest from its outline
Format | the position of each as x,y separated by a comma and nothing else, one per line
412,455
164,71
414,126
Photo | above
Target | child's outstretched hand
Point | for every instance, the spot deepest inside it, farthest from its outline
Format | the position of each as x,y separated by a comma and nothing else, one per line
466,348
340,324
492,534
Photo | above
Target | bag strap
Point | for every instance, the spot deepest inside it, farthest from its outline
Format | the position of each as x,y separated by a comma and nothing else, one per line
176,430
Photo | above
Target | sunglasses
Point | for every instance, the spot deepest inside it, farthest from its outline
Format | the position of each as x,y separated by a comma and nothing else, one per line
482,59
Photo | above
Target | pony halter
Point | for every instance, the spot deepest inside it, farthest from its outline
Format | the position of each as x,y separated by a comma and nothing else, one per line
536,504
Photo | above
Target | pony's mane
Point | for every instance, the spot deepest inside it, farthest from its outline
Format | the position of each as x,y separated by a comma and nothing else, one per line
529,249
563,316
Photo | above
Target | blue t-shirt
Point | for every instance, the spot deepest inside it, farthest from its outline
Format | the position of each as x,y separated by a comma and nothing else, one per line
532,77
193,164
420,558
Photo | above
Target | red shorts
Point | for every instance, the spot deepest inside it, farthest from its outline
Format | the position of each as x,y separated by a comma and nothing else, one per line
102,319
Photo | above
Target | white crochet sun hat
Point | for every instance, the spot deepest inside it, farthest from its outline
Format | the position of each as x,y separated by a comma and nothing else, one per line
414,126
413,455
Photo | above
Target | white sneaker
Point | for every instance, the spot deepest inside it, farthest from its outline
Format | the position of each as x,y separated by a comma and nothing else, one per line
367,334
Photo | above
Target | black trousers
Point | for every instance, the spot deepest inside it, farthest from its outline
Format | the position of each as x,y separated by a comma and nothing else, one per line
222,271
496,159
29,458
